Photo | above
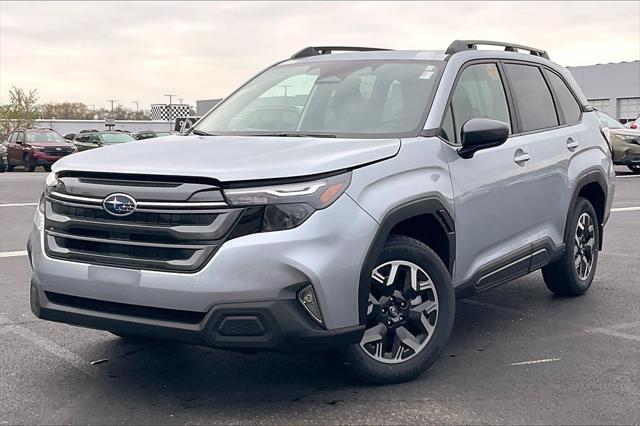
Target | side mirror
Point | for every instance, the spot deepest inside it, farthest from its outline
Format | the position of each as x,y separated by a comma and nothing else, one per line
482,133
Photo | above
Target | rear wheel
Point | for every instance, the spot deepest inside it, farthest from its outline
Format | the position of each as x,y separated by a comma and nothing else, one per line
10,167
47,168
409,316
635,168
573,273
28,164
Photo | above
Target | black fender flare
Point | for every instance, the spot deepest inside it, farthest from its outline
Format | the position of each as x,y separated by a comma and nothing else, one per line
586,178
424,206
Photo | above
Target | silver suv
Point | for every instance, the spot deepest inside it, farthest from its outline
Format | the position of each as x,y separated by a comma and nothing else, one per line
336,201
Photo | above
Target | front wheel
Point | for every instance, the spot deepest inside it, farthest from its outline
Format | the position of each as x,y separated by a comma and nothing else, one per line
410,314
635,168
572,274
47,168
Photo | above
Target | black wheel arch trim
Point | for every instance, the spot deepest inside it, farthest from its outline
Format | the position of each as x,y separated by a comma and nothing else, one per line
432,206
587,178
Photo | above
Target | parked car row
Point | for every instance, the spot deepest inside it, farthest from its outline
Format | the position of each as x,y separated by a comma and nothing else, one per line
30,148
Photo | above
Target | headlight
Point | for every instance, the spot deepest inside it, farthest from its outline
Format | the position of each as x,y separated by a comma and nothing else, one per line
50,183
36,148
288,205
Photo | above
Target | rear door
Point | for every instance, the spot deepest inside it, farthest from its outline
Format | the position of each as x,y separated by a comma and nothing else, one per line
493,188
18,147
550,123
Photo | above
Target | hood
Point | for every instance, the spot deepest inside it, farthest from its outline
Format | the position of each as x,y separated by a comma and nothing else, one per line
231,158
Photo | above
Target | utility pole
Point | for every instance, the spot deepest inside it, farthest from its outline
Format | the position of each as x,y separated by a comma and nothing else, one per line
286,86
181,99
112,102
135,102
169,111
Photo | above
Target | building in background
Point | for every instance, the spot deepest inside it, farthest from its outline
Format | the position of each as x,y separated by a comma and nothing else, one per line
611,88
203,106
162,112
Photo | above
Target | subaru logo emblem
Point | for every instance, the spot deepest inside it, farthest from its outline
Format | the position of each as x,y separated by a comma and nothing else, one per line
119,204
58,149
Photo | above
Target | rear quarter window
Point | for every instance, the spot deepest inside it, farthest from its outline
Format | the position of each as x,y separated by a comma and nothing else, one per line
570,107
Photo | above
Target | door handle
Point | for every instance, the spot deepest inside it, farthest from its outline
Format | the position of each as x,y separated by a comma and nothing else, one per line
572,144
521,157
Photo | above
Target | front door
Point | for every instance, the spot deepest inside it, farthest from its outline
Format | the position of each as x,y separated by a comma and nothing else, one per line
493,189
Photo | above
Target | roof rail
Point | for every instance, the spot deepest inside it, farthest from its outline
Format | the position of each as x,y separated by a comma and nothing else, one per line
462,45
326,50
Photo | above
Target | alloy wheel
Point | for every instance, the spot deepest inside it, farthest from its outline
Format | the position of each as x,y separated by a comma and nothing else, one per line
584,246
402,312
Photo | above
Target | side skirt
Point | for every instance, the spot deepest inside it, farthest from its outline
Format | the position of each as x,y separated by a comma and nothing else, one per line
511,266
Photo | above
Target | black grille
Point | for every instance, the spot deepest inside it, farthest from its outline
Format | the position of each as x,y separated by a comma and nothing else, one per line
176,227
189,317
165,219
61,150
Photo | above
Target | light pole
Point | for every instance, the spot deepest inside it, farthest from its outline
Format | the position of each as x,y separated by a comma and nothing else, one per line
112,101
135,102
169,111
111,122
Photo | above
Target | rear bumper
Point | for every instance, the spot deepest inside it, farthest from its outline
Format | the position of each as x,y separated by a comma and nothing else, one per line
278,325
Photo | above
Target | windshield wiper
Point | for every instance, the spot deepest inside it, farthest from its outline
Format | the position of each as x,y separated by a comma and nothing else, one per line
297,135
201,133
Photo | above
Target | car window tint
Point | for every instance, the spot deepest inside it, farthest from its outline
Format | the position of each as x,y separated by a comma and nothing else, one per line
532,97
479,94
570,107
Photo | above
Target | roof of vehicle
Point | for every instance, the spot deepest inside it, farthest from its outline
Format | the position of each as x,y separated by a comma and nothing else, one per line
458,48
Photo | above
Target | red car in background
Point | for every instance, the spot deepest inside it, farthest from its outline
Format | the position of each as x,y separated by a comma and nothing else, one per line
31,148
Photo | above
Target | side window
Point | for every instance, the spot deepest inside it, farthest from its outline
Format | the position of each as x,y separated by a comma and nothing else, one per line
532,97
570,107
20,137
12,137
94,138
479,94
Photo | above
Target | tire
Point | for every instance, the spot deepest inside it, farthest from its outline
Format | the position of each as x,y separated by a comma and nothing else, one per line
10,167
564,277
47,168
388,359
3,167
635,168
28,164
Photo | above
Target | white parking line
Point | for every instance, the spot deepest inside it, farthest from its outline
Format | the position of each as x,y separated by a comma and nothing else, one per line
18,204
626,209
611,330
53,348
13,253
538,361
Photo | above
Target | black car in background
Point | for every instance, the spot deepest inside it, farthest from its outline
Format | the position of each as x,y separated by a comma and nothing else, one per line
149,134
95,139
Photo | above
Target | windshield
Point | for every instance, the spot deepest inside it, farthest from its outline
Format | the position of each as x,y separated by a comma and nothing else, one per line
44,137
609,122
350,98
116,137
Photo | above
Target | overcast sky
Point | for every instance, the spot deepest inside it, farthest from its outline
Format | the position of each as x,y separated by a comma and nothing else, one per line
91,51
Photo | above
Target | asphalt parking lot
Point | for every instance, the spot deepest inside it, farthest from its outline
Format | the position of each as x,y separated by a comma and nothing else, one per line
517,355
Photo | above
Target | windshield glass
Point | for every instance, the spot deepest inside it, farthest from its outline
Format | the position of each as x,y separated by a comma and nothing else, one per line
44,137
350,98
116,137
609,122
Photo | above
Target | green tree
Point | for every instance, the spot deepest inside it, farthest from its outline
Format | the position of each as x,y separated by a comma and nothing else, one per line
21,111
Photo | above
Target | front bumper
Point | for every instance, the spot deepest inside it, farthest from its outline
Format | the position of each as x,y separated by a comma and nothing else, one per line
45,159
258,273
277,325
